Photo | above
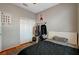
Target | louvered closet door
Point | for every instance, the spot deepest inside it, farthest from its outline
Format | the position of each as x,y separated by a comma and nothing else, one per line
26,27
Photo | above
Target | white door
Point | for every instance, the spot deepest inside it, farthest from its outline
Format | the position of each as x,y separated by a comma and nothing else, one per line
26,28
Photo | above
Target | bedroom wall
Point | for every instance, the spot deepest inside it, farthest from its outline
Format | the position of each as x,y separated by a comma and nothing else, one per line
11,33
61,18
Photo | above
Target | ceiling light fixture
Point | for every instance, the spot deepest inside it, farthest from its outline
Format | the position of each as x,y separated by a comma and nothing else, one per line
34,3
25,4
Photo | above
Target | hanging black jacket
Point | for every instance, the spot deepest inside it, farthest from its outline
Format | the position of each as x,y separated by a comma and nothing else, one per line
43,30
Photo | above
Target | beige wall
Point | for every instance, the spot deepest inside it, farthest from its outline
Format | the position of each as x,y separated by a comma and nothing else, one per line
61,18
11,33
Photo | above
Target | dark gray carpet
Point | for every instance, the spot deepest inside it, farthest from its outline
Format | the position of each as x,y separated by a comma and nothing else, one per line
49,48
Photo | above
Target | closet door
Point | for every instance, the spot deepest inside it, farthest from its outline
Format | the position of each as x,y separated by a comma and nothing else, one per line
26,28
0,30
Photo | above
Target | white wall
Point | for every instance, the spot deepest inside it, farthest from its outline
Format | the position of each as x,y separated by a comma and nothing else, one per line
61,18
11,33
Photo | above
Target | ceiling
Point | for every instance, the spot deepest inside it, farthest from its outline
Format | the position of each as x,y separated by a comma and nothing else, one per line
36,7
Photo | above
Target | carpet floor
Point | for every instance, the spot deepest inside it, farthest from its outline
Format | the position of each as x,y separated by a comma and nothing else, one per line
49,48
